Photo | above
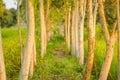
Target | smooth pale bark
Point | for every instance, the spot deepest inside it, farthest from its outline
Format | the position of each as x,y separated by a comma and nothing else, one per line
25,67
94,18
118,22
2,65
46,20
89,64
34,52
69,19
108,59
81,32
73,33
43,29
109,43
104,24
66,28
95,14
19,29
48,8
33,59
32,63
76,27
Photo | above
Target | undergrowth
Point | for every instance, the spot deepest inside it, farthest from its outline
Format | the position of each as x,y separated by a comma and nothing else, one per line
53,67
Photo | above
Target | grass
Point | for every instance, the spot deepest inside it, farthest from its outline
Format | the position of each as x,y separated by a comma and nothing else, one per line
53,66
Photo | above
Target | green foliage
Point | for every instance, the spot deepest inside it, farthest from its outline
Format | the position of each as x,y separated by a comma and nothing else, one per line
8,17
110,12
11,51
1,8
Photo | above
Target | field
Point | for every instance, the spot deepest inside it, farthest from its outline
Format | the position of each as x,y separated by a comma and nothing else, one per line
57,64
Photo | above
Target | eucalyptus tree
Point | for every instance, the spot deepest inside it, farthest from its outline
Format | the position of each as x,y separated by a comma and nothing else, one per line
27,62
43,29
91,39
118,22
19,29
48,9
73,32
76,27
110,40
82,10
2,65
69,26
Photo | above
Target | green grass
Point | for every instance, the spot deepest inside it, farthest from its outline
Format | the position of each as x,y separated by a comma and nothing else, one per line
52,67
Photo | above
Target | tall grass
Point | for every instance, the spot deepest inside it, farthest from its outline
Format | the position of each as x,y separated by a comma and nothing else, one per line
52,67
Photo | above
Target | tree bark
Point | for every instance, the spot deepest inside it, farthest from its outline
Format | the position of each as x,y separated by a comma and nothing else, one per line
94,18
43,29
89,64
118,22
108,59
76,27
109,43
34,52
66,27
81,32
103,19
29,42
19,29
2,65
33,59
73,33
31,64
69,19
47,12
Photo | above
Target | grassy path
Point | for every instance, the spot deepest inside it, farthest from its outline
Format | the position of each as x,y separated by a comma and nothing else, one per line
57,63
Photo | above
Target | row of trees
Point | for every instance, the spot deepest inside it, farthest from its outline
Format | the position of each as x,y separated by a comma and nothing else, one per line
73,20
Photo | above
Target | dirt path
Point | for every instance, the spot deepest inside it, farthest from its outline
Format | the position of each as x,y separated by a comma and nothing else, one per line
60,53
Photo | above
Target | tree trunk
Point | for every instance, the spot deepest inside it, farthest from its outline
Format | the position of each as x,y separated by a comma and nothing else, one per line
118,22
47,12
76,28
81,32
29,42
19,29
2,65
66,28
109,43
108,59
94,18
43,29
69,19
46,20
103,20
73,33
34,52
89,65
33,59
31,63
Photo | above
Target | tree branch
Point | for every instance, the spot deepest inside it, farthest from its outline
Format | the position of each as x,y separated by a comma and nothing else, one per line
103,20
114,28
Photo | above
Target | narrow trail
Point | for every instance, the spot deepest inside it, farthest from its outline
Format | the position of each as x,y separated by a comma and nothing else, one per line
57,64
59,52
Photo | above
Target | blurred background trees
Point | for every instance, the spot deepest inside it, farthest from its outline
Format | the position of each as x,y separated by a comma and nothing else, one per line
8,17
